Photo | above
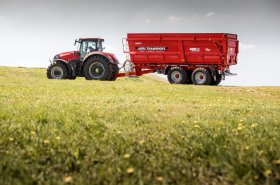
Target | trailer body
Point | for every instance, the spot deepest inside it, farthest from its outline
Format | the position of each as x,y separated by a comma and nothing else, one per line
161,51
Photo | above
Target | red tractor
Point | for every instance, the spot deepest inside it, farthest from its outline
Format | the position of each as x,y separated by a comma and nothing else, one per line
89,61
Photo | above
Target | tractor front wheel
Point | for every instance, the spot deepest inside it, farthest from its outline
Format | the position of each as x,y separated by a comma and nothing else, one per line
57,71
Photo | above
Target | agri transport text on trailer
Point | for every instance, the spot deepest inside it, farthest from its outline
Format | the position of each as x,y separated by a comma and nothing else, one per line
186,58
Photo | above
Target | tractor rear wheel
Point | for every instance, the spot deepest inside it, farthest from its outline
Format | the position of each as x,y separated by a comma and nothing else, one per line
115,71
201,76
177,75
57,71
98,68
72,78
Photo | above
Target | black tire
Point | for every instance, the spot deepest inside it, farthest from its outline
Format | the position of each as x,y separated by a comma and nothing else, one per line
57,71
177,75
98,68
218,80
201,76
72,78
115,71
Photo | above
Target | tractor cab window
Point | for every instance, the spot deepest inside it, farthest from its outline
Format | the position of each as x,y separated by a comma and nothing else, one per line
91,46
86,47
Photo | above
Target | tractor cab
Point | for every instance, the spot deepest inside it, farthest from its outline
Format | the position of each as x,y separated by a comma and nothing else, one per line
87,45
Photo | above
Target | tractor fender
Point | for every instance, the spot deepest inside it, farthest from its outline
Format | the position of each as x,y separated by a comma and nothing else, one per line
64,62
96,53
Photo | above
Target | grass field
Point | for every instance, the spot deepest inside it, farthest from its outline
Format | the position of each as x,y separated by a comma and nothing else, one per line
135,131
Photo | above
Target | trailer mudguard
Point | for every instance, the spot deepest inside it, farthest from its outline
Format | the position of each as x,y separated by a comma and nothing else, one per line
166,70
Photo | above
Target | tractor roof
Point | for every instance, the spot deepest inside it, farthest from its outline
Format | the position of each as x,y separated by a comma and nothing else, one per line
83,39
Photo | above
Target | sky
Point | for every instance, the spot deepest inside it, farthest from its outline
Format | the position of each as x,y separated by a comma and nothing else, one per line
33,31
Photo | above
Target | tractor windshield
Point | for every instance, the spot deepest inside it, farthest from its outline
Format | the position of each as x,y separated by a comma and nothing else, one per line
87,46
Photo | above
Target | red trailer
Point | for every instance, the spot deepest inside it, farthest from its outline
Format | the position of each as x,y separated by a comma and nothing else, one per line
186,58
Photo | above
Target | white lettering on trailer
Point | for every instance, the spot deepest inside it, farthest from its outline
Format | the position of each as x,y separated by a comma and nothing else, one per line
152,48
141,48
156,48
194,49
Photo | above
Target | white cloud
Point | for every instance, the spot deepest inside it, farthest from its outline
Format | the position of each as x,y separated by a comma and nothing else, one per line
173,18
148,20
209,14
247,46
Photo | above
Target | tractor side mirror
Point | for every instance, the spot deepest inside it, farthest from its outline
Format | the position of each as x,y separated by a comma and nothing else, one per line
76,42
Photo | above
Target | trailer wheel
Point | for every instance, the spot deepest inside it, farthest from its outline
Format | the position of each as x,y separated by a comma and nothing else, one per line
97,68
57,71
201,76
218,80
177,75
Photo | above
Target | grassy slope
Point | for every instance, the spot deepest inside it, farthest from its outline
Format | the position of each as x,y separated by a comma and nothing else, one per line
135,131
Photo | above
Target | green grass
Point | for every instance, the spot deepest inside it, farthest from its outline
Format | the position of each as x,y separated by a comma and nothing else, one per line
135,131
